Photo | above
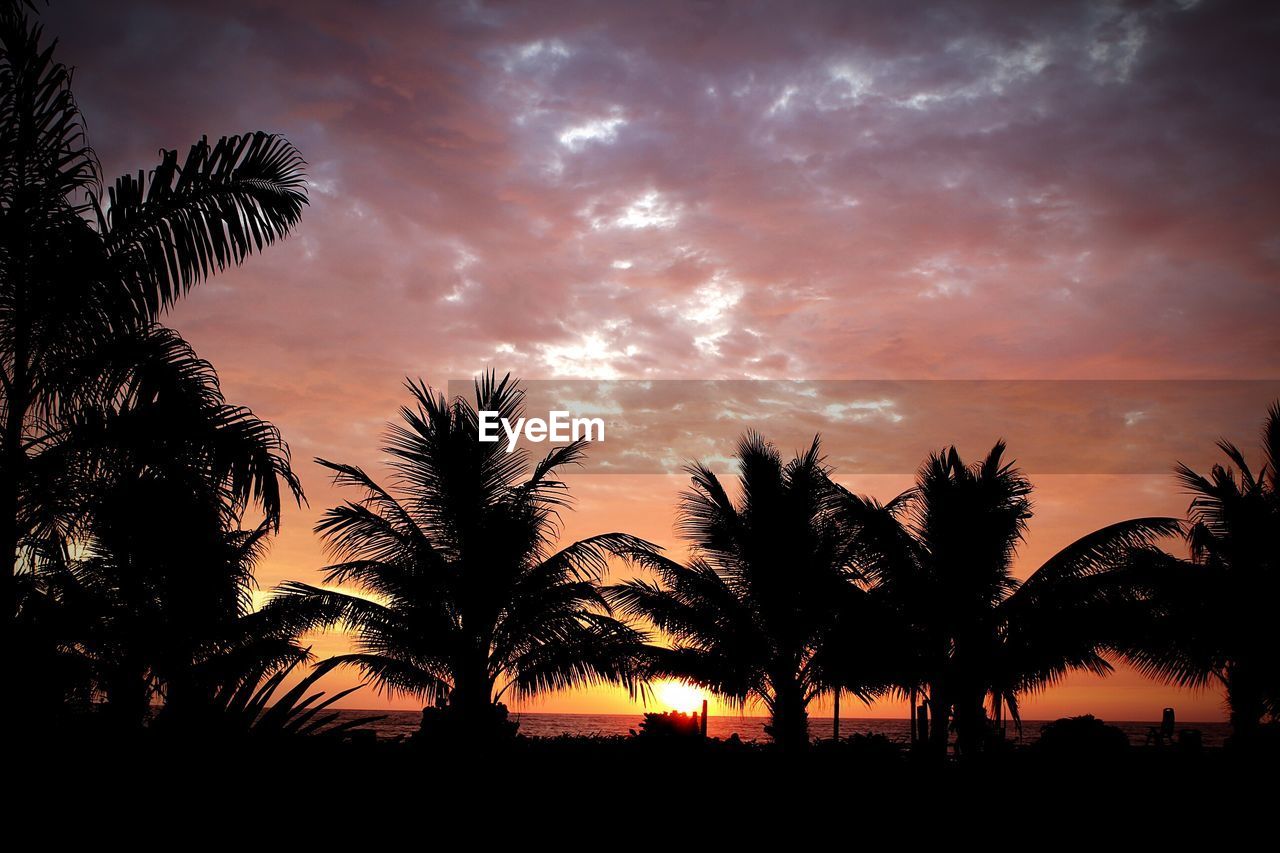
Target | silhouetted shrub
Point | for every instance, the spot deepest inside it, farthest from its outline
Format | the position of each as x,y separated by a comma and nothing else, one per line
448,727
867,745
1264,741
669,724
1083,736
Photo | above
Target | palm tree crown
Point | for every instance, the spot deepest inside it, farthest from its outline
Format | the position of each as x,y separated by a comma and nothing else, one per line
124,473
1213,615
749,615
940,558
455,590
86,274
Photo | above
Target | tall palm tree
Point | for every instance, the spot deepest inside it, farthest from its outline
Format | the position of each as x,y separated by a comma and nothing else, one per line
941,557
454,590
85,274
750,614
1215,612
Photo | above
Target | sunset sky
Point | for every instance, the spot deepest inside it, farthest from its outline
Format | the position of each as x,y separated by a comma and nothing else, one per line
785,191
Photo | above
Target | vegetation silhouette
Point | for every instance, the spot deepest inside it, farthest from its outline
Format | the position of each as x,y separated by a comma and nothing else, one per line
249,705
458,593
161,559
749,615
669,724
1083,738
939,558
1212,616
124,473
790,587
86,273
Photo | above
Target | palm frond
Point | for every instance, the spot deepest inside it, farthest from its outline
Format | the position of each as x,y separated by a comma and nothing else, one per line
1271,447
175,227
43,151
1107,548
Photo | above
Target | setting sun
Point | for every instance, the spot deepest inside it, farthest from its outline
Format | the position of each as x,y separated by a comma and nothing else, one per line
679,696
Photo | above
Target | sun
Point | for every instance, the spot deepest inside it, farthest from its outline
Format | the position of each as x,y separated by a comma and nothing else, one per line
679,696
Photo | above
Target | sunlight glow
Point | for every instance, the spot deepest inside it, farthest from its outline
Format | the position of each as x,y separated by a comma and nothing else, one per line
592,357
679,696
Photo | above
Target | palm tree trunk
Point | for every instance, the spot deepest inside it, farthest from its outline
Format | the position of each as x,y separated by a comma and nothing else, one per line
911,712
9,546
789,723
18,396
939,713
10,485
471,701
1245,700
468,697
970,716
128,696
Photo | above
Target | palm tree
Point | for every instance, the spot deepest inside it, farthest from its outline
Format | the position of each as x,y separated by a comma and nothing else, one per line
150,612
85,275
157,603
454,592
148,592
751,613
1214,613
941,558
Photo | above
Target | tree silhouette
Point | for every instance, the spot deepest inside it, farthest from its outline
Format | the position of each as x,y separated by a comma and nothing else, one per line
85,275
249,704
940,557
748,617
457,595
1214,614
153,599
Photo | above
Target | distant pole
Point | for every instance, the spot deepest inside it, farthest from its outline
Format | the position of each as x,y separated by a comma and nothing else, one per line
835,722
703,722
911,712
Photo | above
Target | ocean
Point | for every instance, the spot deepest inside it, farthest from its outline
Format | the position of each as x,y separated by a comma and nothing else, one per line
404,723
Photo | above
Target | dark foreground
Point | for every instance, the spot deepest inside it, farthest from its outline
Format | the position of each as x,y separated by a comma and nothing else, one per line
606,794
136,778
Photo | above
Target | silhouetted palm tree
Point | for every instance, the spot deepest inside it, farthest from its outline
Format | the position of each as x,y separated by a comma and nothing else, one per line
149,589
941,557
457,594
82,283
145,616
765,587
160,607
1215,613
